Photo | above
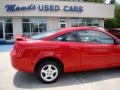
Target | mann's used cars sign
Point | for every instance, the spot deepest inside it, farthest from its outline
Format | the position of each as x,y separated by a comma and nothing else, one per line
52,8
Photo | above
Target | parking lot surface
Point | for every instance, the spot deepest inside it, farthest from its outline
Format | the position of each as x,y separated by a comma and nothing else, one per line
11,79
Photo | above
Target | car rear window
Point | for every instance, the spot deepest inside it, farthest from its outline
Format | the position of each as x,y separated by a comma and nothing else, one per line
43,35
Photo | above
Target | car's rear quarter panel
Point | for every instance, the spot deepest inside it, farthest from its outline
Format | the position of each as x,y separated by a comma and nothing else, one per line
36,51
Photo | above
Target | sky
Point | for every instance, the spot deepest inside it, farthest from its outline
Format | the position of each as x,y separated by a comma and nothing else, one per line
118,1
107,1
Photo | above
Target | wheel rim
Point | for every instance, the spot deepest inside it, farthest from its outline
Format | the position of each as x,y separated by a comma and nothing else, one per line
49,72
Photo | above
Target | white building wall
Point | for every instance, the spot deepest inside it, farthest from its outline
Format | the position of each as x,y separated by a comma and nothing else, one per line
53,23
17,26
68,22
91,10
101,23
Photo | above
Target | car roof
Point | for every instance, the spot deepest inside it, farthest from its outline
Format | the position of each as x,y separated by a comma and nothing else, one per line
67,30
79,28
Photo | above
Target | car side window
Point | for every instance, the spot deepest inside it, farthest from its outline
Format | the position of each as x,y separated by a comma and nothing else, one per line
89,36
69,37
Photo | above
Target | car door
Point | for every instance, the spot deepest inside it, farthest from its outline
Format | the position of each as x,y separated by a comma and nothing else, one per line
98,49
69,49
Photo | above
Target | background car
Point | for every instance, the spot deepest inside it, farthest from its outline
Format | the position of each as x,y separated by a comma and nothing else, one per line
51,53
115,31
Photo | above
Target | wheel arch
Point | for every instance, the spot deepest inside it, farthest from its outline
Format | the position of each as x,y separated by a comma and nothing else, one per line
49,58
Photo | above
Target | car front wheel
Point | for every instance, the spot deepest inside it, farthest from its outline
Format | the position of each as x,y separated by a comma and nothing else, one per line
48,72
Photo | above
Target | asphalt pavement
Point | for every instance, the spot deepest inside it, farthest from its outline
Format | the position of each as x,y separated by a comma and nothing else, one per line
11,79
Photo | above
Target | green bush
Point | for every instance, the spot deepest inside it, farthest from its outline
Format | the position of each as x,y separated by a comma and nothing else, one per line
115,22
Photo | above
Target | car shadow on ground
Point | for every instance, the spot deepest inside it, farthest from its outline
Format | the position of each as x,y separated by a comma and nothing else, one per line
29,81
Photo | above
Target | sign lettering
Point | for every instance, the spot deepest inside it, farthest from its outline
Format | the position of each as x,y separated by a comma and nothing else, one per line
51,8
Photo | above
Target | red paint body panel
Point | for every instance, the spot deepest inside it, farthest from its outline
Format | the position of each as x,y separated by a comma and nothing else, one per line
74,56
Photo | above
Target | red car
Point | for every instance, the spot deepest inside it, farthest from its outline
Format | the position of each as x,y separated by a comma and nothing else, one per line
115,31
49,54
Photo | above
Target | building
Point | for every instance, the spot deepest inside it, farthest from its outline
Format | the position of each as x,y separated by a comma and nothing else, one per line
32,16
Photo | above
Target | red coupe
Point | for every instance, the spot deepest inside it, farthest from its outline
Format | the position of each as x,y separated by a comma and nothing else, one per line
115,32
51,53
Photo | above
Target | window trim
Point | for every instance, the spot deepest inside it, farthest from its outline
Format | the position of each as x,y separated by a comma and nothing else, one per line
114,40
85,21
65,22
73,32
4,22
39,21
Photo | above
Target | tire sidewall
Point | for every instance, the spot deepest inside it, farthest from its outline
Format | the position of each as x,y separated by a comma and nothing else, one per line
38,71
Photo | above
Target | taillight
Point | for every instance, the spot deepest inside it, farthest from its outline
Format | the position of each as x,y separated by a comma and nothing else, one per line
20,39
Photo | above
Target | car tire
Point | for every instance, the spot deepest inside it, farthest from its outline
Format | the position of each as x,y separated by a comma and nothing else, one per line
48,72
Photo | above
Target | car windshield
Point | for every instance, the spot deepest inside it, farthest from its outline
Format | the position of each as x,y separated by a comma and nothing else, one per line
43,34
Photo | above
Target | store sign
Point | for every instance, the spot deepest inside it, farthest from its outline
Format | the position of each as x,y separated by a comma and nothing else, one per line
67,8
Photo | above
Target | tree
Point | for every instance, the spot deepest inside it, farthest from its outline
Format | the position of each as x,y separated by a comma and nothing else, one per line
96,1
100,1
115,22
117,15
110,23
